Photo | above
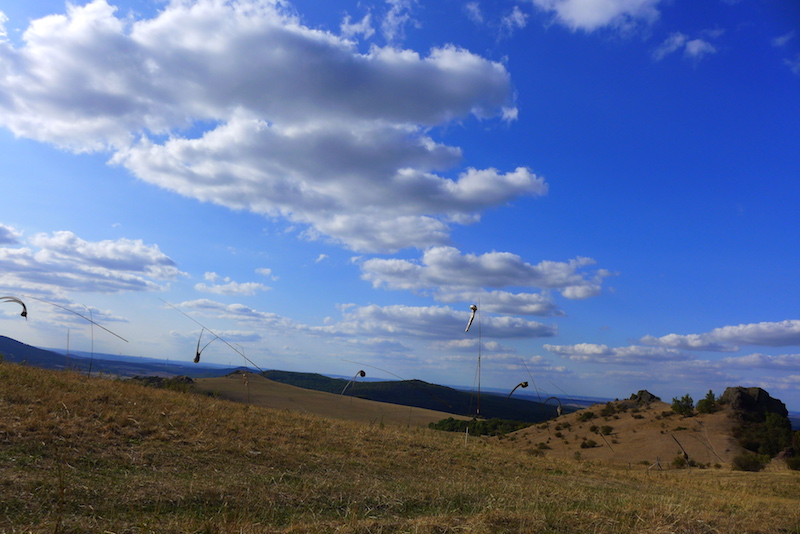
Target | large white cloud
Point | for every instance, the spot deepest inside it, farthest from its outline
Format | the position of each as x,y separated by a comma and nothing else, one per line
62,261
728,338
589,15
240,104
457,277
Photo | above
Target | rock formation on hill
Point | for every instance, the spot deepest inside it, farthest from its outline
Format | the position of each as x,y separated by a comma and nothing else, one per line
644,397
754,400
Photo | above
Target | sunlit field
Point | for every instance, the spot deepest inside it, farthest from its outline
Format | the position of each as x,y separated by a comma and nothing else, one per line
100,455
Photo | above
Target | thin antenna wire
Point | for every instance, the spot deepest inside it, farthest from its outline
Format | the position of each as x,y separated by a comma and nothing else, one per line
91,357
565,394
79,315
410,382
211,331
538,396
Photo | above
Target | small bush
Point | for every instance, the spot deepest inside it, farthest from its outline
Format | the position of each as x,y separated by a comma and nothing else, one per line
793,463
748,461
683,406
708,404
679,462
588,444
585,416
608,410
606,430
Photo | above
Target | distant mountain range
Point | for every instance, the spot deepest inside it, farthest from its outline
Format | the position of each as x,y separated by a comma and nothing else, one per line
105,364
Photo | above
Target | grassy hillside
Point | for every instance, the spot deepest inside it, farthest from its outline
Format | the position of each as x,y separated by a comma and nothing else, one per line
424,395
644,435
95,455
257,390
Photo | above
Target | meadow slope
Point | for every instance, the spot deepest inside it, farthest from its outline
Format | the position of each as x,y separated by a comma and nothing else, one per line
644,435
97,455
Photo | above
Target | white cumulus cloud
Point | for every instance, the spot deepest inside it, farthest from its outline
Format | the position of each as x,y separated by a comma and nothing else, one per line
454,276
729,338
62,261
286,120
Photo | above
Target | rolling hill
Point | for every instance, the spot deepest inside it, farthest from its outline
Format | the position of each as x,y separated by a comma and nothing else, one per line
254,389
84,454
652,433
424,395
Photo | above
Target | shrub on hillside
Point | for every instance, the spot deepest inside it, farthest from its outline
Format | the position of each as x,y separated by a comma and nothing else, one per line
585,416
748,461
708,404
793,463
608,410
479,427
683,406
769,436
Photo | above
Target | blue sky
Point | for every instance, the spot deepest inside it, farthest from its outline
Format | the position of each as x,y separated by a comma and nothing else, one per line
613,182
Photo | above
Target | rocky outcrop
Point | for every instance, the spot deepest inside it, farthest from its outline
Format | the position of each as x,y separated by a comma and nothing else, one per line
753,400
644,397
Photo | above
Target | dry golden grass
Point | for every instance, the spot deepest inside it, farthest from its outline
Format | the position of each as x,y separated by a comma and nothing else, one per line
94,455
641,436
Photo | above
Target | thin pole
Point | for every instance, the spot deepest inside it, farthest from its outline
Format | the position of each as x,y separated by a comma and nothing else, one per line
480,347
91,326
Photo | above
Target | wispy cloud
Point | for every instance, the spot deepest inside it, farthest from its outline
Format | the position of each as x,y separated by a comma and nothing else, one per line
352,29
396,19
9,235
228,286
785,362
793,64
634,354
513,21
694,49
590,15
782,40
474,13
